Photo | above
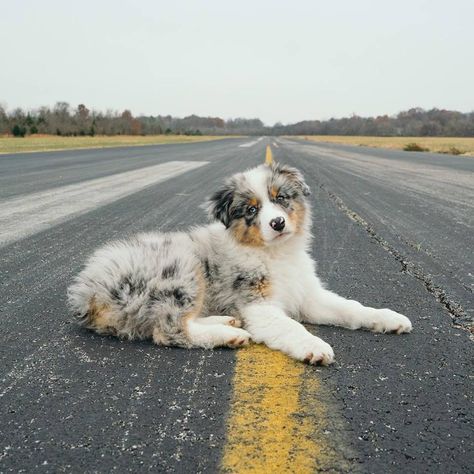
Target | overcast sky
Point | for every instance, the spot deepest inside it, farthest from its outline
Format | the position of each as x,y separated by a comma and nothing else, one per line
277,60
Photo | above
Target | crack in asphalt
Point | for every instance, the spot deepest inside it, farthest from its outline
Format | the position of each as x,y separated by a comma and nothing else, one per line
430,254
454,308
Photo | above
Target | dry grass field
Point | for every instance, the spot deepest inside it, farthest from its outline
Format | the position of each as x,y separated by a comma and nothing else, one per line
32,143
450,145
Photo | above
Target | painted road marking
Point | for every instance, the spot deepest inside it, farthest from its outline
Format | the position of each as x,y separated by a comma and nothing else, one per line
28,214
252,143
278,419
281,420
268,156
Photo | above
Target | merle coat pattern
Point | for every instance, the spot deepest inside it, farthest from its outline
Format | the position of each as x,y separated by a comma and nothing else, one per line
247,275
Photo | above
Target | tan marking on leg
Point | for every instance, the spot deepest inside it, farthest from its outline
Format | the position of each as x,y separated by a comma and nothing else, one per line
101,317
159,338
196,310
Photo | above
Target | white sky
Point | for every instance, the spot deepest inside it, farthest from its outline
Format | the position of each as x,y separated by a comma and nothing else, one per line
276,60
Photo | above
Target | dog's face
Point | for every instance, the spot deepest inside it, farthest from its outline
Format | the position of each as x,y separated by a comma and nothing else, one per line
263,206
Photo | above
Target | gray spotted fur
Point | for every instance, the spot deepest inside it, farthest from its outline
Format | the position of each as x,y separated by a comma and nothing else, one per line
151,280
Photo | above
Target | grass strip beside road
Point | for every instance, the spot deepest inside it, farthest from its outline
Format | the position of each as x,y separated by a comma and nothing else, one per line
35,143
448,145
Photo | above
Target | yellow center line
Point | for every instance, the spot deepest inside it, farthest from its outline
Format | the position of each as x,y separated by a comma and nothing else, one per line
268,156
281,420
277,421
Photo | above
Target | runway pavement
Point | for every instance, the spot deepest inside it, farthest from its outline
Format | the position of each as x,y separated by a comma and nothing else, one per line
392,229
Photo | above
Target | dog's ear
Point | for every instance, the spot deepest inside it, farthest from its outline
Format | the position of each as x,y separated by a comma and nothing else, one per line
293,175
218,205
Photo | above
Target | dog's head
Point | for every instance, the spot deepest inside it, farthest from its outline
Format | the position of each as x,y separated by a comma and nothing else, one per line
263,206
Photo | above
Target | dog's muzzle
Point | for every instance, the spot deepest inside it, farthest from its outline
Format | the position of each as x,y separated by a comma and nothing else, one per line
278,224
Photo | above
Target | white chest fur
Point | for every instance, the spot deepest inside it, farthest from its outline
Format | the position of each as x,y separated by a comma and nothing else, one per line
290,275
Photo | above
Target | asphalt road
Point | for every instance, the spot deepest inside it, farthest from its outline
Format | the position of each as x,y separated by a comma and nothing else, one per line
391,229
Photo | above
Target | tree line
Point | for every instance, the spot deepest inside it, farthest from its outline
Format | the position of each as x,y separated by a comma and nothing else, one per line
64,120
414,122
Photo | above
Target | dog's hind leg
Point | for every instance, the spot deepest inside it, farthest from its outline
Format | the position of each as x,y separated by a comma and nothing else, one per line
226,320
214,335
197,332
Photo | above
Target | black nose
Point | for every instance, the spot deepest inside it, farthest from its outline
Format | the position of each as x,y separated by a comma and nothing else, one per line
278,224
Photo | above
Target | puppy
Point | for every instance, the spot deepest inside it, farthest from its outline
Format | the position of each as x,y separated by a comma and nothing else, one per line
248,275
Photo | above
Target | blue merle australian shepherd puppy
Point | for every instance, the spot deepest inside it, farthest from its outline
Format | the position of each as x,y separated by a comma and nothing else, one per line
246,276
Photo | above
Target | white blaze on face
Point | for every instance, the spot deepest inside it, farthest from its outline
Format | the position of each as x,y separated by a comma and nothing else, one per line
257,180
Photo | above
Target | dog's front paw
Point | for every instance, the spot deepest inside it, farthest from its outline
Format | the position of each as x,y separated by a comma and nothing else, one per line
386,320
315,351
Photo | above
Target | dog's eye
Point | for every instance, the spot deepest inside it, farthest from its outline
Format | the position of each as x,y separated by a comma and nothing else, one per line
252,210
281,198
